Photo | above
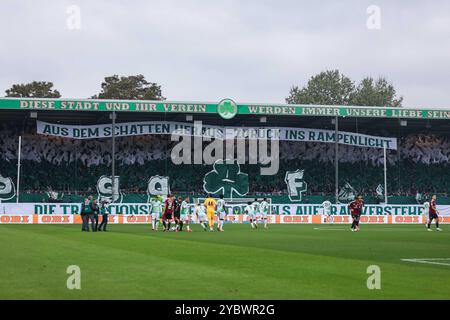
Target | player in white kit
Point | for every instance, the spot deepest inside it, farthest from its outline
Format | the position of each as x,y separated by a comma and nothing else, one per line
256,207
250,210
426,210
200,212
221,212
326,205
264,211
185,215
157,206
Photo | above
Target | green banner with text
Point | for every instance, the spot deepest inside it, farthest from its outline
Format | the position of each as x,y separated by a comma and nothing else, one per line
226,108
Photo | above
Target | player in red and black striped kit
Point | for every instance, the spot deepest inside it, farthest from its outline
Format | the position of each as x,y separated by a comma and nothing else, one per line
433,214
355,208
169,206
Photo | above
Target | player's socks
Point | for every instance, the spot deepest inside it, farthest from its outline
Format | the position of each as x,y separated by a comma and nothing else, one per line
168,225
165,224
181,225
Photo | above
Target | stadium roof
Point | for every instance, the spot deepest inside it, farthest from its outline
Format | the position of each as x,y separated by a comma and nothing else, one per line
226,108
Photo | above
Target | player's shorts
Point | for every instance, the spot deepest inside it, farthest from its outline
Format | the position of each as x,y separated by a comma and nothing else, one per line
356,216
167,216
156,215
252,216
264,215
210,214
177,215
222,215
185,218
433,216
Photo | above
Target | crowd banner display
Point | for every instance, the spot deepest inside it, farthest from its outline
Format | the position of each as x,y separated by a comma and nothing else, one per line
217,132
226,108
139,213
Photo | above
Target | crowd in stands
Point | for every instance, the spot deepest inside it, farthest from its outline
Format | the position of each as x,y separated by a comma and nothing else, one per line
422,162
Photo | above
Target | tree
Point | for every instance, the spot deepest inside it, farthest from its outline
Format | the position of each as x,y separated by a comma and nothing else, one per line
129,88
333,88
376,93
326,88
35,89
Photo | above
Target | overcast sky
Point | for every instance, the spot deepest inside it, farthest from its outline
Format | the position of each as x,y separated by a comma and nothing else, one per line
250,51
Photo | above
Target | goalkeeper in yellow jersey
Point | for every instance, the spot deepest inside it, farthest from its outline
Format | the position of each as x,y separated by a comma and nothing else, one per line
210,205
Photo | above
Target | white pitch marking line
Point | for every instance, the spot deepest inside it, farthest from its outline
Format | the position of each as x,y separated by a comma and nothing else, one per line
429,261
332,229
374,230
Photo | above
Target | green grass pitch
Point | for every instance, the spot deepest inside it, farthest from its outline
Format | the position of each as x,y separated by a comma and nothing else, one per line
284,262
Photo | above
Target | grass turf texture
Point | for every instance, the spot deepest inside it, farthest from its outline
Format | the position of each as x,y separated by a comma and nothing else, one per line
284,262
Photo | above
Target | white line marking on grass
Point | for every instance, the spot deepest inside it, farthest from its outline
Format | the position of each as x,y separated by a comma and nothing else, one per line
364,230
429,261
332,229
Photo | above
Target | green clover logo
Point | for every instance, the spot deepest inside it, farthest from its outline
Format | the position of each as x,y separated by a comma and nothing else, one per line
227,109
226,178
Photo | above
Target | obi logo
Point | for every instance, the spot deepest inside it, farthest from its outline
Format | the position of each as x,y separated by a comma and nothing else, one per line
105,191
295,184
7,188
227,109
